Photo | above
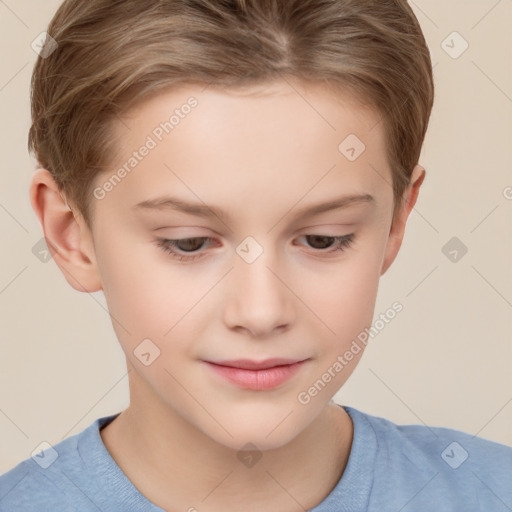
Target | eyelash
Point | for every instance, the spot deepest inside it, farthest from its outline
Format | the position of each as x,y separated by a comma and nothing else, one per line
342,243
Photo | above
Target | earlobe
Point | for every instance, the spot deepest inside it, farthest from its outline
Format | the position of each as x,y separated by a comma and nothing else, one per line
397,231
69,241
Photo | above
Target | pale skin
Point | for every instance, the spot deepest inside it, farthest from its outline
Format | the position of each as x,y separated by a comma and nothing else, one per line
260,158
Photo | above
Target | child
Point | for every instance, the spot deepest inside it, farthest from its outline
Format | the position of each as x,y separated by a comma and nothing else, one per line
236,175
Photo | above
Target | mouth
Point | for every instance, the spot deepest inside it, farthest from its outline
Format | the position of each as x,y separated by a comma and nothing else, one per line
257,375
249,364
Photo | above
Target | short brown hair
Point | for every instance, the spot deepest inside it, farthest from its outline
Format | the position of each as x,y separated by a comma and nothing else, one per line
112,53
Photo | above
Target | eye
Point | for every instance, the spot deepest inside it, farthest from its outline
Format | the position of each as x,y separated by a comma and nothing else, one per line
189,247
340,242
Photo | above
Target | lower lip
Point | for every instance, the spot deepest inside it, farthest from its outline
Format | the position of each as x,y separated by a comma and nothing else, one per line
259,380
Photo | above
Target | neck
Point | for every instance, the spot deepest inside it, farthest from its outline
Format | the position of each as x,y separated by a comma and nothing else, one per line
152,446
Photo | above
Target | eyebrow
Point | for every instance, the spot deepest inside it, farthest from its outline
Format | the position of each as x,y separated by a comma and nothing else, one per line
202,210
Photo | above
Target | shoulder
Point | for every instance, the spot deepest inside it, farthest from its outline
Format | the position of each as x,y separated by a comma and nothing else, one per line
453,447
28,485
56,478
444,461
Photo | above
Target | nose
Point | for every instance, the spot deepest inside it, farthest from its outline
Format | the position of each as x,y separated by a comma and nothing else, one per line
259,300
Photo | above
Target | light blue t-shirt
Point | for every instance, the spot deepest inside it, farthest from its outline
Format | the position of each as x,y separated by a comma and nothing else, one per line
391,468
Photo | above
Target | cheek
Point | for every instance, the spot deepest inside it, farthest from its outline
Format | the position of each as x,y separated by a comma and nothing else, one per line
344,303
343,293
145,296
151,295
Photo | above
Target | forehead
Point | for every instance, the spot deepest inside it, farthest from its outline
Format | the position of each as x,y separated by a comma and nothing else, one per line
318,105
282,141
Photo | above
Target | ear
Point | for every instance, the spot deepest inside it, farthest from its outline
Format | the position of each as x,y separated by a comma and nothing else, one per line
396,233
68,238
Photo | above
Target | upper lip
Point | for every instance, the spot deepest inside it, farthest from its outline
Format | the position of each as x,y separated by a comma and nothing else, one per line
249,364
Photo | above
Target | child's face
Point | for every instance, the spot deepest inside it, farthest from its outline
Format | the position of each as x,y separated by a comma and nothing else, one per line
260,160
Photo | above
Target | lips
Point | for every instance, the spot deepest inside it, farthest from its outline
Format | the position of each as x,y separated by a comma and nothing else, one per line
256,375
248,364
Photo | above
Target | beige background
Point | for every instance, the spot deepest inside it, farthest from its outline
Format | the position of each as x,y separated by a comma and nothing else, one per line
445,360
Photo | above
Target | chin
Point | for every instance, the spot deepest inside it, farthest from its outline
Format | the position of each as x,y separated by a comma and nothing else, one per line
254,441
265,434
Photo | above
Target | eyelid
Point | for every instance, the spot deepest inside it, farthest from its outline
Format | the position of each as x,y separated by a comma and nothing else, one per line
322,226
341,244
